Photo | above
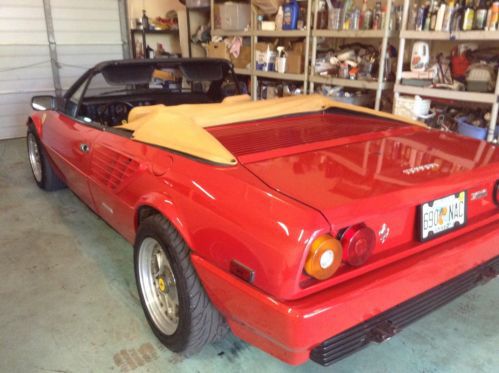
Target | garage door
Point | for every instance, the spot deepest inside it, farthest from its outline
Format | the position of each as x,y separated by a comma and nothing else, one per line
84,33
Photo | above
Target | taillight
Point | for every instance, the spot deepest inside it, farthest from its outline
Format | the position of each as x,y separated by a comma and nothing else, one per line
358,242
496,193
324,257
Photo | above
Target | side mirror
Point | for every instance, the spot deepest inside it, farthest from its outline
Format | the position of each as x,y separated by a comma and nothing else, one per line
41,103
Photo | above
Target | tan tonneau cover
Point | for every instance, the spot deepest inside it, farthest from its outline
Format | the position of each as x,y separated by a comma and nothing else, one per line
182,127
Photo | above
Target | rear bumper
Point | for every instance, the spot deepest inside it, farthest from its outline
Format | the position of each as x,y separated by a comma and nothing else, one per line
388,323
333,323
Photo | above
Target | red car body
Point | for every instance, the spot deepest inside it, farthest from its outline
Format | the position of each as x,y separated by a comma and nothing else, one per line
296,178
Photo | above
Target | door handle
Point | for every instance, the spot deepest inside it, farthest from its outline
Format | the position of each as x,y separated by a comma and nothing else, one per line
84,148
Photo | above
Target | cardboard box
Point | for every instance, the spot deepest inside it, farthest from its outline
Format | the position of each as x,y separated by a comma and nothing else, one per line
294,63
299,47
217,50
243,59
234,16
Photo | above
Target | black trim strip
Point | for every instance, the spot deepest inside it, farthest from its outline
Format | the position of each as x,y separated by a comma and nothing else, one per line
386,324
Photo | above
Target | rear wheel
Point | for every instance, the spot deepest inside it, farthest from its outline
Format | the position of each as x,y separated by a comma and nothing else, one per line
43,172
176,306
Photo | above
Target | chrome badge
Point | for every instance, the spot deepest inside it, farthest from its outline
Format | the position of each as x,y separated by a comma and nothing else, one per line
424,167
384,232
479,194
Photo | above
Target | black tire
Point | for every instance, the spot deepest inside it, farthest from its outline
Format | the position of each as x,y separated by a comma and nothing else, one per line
199,323
45,178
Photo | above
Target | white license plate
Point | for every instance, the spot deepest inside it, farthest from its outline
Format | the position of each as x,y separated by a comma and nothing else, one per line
442,215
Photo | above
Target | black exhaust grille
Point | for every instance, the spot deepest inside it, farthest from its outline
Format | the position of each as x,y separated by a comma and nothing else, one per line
383,326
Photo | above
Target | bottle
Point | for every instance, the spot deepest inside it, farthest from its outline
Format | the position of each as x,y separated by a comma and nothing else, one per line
302,15
489,16
413,16
334,16
449,13
440,16
345,15
457,21
279,18
149,52
420,18
322,15
367,20
384,17
398,17
469,16
145,20
355,19
427,18
160,50
290,15
433,15
494,18
363,10
377,16
480,16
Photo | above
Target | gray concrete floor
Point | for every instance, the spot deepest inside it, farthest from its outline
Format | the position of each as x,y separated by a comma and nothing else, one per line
68,302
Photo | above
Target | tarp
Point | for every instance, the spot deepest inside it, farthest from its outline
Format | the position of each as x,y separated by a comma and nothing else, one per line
182,127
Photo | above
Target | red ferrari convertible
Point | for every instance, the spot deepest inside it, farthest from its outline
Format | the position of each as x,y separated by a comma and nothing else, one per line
308,227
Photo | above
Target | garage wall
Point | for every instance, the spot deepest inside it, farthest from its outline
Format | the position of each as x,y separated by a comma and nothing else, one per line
25,68
86,32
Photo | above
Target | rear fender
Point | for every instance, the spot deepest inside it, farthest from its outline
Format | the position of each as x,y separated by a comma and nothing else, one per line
164,205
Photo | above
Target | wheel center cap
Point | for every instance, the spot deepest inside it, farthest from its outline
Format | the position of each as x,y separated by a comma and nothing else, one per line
163,287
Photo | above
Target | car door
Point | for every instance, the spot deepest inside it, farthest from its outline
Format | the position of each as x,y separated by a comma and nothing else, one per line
69,140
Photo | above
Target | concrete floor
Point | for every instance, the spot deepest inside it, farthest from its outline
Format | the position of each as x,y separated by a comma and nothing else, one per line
68,302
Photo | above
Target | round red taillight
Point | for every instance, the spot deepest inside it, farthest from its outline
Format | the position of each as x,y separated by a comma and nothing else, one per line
358,243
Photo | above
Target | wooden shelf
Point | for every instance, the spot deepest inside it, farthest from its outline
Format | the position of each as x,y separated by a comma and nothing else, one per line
280,76
219,32
135,31
485,98
242,71
458,35
359,84
282,33
359,34
262,33
199,9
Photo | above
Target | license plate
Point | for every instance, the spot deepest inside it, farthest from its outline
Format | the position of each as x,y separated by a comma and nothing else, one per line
442,215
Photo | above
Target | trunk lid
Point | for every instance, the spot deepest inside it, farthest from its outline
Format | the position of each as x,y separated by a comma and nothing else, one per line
365,169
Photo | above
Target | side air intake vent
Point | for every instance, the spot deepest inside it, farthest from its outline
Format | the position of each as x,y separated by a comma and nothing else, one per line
111,168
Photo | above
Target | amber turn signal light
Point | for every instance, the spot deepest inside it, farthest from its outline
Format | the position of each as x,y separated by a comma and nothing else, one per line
324,257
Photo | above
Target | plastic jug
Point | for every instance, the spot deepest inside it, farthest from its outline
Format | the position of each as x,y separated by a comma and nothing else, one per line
291,11
420,56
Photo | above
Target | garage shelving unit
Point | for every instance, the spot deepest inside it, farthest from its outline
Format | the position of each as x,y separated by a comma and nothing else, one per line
143,34
258,35
189,12
491,98
378,85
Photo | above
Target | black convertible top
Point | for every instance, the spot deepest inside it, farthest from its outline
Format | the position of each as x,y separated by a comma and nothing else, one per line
161,62
139,71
